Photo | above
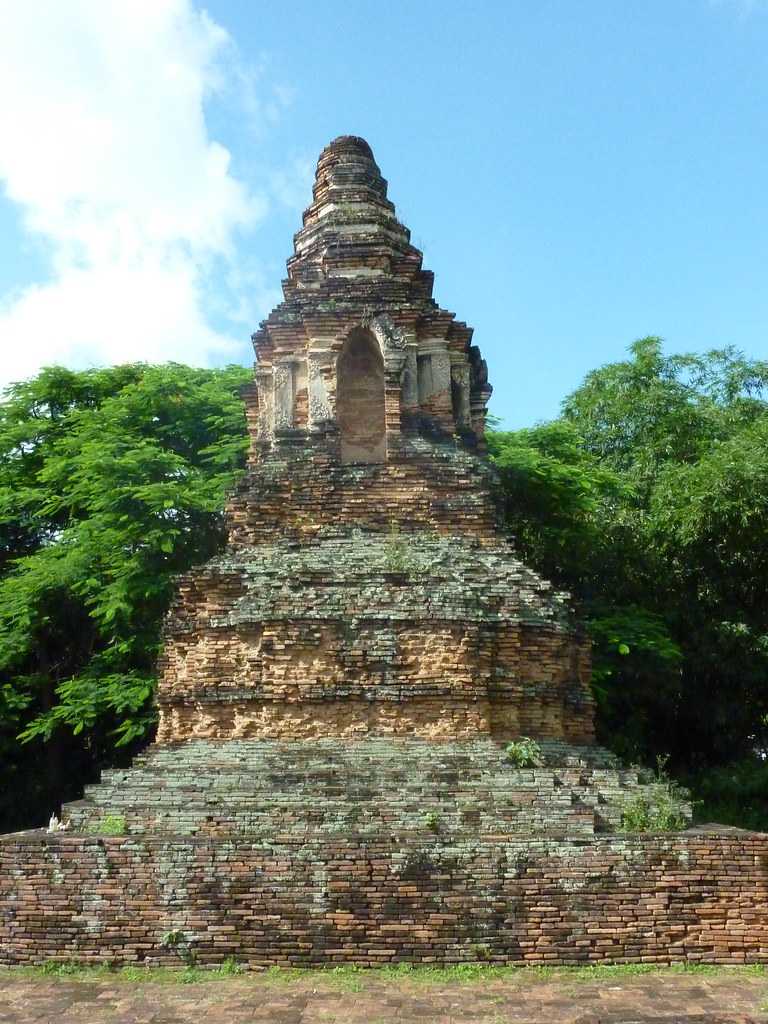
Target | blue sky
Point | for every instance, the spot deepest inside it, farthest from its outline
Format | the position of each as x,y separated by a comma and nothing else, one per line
578,174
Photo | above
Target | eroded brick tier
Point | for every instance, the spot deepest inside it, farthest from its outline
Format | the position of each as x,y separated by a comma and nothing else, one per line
360,633
276,791
329,781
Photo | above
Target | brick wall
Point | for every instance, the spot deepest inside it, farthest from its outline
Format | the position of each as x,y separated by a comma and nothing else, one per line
302,487
694,896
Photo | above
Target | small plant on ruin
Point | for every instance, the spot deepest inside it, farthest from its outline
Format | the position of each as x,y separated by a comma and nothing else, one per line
112,825
661,813
177,941
524,753
230,967
431,821
398,556
664,809
481,951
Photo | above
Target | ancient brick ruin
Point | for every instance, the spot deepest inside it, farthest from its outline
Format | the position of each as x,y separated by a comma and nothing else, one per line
366,590
329,781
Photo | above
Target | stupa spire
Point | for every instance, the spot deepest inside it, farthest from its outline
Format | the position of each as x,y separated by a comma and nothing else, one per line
355,282
346,168
351,229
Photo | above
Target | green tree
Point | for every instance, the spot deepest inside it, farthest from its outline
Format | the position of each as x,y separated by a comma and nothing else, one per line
649,501
688,435
569,513
641,414
111,482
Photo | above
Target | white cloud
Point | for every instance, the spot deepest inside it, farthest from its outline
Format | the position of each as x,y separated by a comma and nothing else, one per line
103,143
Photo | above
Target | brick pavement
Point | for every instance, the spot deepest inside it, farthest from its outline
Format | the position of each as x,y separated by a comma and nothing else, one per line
727,998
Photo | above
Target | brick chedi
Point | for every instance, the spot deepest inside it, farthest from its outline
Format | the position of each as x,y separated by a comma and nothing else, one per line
329,780
366,590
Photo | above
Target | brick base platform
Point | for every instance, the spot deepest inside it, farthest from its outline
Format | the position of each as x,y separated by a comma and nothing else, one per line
697,896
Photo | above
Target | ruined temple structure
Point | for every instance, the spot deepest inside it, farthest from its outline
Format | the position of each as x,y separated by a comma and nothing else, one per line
366,590
330,780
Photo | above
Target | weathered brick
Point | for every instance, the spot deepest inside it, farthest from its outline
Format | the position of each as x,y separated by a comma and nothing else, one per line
329,783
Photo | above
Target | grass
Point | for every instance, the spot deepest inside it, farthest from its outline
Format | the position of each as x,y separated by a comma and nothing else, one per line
355,979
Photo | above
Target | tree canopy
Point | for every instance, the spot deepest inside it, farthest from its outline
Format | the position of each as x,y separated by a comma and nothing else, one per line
648,499
111,482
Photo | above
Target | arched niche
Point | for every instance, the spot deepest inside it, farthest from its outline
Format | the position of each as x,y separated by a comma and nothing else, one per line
360,399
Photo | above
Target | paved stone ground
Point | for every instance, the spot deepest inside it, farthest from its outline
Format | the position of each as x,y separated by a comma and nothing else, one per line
716,999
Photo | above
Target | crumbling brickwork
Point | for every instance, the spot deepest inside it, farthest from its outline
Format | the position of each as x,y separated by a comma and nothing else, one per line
649,899
354,633
300,488
389,785
330,781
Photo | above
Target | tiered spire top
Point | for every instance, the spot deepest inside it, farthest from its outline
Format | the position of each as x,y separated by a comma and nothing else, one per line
350,229
347,174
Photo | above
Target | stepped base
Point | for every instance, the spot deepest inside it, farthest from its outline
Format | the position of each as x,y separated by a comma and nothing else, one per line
376,789
695,896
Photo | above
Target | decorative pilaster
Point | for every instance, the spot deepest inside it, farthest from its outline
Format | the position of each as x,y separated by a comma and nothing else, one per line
265,388
285,390
460,391
320,409
434,376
